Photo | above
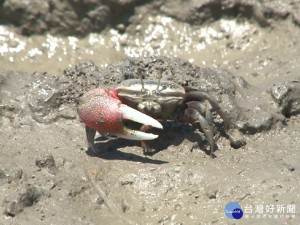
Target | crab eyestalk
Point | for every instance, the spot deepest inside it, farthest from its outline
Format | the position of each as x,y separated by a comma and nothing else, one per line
102,110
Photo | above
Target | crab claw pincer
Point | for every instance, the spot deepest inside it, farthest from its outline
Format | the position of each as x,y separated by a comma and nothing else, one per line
101,110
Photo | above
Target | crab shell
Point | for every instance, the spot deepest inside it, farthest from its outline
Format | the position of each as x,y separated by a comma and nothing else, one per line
158,100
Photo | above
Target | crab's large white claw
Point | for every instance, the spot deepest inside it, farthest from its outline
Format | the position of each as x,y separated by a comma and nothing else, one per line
136,116
103,111
136,135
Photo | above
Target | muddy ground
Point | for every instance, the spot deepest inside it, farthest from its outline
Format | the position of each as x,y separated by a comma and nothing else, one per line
243,53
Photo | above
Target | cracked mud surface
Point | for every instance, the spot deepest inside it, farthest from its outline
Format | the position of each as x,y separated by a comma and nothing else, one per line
49,176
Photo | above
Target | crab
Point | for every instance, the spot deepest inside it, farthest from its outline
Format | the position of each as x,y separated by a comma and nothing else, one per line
147,102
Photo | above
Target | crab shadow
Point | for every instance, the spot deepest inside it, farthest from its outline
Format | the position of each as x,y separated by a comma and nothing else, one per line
172,134
109,149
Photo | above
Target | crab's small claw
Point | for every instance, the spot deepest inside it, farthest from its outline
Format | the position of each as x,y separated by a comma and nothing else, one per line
102,110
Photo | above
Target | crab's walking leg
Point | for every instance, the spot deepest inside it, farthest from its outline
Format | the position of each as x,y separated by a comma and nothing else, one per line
200,96
208,132
194,113
146,149
90,135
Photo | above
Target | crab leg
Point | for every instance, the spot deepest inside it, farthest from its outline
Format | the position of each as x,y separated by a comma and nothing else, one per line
90,135
200,96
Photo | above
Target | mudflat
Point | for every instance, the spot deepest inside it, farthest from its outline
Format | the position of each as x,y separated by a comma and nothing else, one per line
243,53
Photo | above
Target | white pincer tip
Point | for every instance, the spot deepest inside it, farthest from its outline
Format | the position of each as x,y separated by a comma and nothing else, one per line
134,115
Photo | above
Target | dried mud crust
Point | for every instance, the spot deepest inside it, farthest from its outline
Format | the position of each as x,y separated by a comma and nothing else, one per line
47,166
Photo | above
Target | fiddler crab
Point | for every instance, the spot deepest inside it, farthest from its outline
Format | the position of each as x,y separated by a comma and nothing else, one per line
146,102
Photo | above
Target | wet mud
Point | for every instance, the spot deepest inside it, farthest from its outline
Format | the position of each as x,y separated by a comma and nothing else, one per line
48,175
